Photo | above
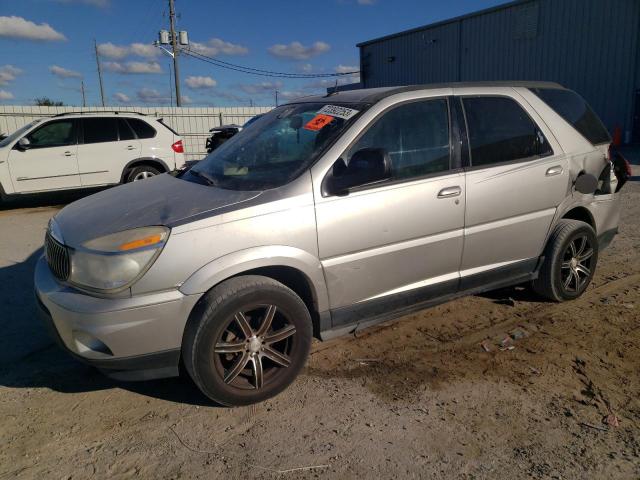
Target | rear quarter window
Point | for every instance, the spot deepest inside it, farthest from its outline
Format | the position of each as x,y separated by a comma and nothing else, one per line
576,111
143,129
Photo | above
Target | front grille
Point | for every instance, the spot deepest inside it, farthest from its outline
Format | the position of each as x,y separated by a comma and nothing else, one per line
57,257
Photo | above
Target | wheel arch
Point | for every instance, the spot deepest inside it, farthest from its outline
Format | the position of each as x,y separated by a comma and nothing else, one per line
294,268
154,162
582,214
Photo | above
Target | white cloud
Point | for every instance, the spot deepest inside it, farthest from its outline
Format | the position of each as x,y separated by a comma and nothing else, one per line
121,97
132,67
216,46
305,67
346,68
110,50
18,27
200,82
291,94
297,51
186,99
259,88
63,72
144,50
8,73
4,95
118,52
93,3
151,95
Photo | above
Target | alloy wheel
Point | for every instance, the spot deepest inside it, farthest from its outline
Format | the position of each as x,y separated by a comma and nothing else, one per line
143,175
254,347
575,270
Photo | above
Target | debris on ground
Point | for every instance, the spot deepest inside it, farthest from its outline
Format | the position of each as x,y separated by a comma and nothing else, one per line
612,420
485,346
510,302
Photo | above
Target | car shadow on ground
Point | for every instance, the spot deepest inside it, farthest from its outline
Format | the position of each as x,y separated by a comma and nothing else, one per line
29,357
49,199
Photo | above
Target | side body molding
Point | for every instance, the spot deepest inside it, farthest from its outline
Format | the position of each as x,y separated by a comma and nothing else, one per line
267,256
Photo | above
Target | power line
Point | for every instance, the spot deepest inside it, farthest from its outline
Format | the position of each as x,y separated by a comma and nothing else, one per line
261,72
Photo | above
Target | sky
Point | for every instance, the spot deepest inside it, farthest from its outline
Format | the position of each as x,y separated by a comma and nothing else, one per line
47,49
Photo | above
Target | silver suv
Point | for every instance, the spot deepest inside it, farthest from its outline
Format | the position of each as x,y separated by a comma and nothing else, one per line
326,215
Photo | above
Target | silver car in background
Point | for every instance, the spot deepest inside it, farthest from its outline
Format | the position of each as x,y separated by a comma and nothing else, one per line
325,215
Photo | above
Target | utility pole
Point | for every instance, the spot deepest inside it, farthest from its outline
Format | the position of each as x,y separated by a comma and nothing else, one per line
174,48
95,46
276,98
84,99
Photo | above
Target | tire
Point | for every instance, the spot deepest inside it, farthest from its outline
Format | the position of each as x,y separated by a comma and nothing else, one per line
568,265
140,173
234,366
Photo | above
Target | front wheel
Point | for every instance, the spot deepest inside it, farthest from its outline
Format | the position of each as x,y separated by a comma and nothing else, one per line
247,340
570,261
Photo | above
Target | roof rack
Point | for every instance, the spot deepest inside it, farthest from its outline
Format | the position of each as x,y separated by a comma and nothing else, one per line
100,111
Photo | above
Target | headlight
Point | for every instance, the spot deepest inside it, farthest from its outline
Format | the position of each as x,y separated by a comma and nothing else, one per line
115,261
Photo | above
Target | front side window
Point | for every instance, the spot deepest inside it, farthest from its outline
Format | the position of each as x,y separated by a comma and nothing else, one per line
58,133
98,130
18,134
416,136
501,131
276,148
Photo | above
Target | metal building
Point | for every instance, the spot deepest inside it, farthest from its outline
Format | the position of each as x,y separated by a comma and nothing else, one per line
590,46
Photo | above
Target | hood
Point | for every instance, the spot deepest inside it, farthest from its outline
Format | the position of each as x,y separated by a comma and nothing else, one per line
161,200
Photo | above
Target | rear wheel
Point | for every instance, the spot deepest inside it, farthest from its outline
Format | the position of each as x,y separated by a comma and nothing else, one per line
570,261
247,341
141,172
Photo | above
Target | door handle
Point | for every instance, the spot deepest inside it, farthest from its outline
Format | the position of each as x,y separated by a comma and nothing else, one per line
130,147
552,171
68,154
449,192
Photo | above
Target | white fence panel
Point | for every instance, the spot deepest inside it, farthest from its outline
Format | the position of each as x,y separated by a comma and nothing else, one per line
192,123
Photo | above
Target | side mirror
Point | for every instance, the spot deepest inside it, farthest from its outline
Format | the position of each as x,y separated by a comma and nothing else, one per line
23,143
586,183
369,165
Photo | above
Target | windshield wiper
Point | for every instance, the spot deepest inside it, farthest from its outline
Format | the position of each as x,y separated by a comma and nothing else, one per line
205,176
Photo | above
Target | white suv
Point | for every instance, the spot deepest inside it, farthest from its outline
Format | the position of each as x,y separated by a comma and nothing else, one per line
80,150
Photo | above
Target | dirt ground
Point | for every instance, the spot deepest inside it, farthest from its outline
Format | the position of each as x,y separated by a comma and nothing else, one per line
415,398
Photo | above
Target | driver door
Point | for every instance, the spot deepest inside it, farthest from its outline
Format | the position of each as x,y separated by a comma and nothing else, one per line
50,161
398,242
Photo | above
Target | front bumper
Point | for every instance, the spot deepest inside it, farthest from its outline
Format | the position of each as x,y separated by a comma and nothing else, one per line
134,338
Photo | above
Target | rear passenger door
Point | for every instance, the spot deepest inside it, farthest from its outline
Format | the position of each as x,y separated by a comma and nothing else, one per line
516,176
108,145
387,245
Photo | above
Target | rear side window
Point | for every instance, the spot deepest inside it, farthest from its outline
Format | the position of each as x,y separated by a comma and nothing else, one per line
126,133
415,134
501,131
142,129
572,107
98,130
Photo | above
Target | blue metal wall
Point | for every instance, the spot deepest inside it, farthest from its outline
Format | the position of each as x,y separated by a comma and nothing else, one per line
591,46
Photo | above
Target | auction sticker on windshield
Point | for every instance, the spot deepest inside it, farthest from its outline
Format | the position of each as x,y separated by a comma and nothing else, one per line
337,111
318,122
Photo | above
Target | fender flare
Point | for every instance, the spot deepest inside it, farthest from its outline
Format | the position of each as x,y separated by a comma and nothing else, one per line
143,160
242,261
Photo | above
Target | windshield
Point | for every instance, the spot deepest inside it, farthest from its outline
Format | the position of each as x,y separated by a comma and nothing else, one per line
275,148
17,134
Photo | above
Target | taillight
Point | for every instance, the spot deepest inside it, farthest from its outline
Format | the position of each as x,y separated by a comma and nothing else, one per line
178,147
